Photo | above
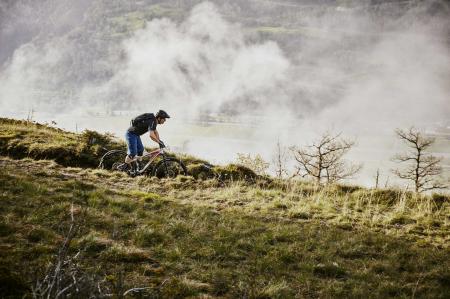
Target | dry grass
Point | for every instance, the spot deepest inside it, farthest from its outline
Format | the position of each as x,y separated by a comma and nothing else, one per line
181,238
237,235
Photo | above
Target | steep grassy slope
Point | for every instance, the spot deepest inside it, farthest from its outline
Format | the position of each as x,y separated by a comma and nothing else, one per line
21,139
180,238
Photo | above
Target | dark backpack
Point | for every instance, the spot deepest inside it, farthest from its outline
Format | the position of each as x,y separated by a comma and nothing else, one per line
141,120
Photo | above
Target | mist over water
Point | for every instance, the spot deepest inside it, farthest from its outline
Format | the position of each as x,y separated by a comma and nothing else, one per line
235,77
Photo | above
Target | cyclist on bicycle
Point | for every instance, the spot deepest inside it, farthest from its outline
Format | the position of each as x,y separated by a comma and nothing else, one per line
140,125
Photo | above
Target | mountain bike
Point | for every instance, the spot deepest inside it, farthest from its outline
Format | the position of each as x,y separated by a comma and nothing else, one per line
157,163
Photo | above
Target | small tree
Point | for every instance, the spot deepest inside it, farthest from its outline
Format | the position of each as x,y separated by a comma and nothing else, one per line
257,163
377,178
323,159
279,160
423,167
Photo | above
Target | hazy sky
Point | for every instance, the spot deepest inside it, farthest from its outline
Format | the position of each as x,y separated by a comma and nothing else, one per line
349,66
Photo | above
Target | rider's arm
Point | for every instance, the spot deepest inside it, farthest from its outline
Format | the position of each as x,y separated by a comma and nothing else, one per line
154,135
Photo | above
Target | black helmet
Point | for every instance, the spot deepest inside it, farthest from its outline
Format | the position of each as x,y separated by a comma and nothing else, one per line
162,114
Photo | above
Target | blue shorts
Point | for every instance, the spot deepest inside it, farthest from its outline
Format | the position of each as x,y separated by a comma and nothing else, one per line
134,144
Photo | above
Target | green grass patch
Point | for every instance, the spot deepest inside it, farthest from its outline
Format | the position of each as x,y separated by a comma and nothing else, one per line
194,238
44,142
21,139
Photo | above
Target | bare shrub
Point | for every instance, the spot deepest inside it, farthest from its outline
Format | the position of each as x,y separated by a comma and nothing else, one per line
423,168
280,159
377,178
65,276
323,161
256,163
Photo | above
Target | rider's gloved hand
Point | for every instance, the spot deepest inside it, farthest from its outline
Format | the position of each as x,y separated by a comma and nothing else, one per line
161,144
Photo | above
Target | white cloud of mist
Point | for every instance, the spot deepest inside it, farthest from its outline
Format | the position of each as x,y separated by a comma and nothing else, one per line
26,78
198,66
349,67
408,84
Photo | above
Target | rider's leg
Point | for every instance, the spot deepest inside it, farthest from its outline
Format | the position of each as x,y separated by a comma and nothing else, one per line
140,152
132,148
140,148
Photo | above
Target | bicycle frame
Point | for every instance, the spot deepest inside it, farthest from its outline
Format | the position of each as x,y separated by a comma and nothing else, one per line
153,155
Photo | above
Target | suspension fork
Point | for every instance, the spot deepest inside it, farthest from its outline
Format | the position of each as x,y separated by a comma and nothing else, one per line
165,164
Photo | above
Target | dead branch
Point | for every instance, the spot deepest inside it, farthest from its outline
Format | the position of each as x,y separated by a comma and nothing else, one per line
65,277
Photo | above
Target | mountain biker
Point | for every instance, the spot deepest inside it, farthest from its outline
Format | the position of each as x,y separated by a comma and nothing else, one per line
140,125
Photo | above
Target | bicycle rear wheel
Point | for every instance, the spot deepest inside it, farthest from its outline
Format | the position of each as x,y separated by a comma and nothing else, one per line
169,168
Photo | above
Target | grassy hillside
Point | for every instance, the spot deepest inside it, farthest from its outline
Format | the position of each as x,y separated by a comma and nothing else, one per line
179,238
20,139
23,139
204,238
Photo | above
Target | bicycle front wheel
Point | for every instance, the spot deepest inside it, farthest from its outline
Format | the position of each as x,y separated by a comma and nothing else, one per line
169,168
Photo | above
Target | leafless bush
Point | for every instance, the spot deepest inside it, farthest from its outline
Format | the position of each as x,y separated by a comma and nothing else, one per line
423,168
377,178
280,160
256,163
65,277
323,161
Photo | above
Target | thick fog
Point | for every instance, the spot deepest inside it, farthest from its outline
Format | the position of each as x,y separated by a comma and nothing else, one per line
286,70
